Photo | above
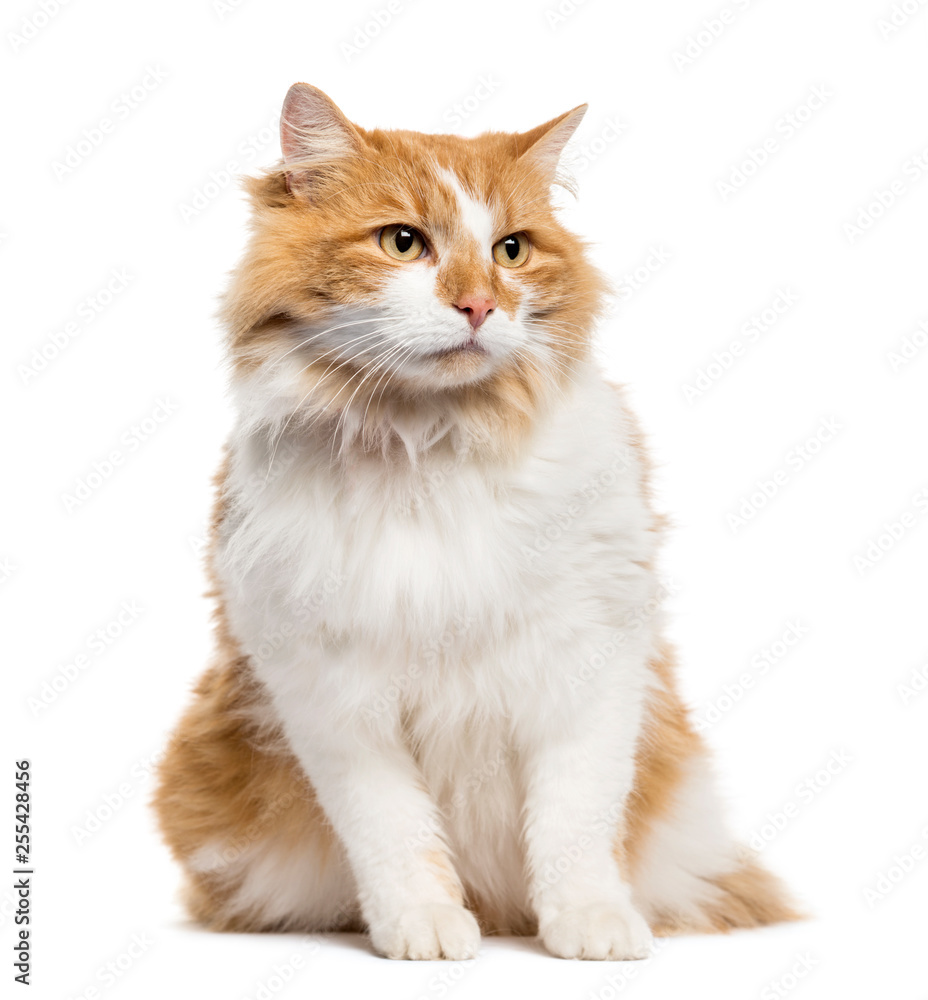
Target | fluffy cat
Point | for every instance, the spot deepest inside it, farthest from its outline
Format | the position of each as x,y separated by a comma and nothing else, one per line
441,703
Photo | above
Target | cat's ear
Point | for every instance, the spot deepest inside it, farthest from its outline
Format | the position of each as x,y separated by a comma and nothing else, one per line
312,132
543,145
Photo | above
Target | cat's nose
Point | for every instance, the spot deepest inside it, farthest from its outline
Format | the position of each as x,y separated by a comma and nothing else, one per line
476,308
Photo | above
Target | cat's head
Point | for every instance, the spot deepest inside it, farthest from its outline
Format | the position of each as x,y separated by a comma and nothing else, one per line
395,269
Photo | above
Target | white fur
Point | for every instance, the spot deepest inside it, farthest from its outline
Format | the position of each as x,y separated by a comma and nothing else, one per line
443,642
286,887
685,850
424,324
455,637
476,216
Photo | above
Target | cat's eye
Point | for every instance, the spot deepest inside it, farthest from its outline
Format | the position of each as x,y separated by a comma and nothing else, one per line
512,250
402,242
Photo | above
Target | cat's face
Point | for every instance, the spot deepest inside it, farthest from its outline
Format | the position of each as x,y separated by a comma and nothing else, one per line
397,261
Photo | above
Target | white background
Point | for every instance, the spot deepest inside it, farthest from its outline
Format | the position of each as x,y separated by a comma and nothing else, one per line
834,218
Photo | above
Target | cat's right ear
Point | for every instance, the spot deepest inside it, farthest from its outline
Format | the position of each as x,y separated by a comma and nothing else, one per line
313,132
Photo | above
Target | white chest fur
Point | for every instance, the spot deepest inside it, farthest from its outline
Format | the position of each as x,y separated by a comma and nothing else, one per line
449,556
460,617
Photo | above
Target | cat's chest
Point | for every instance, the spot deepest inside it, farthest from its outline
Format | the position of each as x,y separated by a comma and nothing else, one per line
442,543
392,550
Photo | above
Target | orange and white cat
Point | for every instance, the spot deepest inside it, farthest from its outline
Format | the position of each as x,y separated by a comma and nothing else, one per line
441,703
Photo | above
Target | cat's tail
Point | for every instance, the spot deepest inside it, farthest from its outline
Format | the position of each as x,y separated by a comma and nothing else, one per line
687,874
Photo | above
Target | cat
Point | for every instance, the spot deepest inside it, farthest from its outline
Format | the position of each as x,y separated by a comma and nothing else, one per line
442,704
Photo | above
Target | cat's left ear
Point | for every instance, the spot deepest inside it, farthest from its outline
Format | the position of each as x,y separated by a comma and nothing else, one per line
544,145
313,131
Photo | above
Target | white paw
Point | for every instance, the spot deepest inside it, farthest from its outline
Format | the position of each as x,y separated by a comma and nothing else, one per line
602,931
437,930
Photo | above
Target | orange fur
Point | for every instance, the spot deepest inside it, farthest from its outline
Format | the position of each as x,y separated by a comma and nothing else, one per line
309,254
227,777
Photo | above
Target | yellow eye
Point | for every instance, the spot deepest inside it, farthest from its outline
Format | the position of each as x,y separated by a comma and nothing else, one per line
512,250
401,242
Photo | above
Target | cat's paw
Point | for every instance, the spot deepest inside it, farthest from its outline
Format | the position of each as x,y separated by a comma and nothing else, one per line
437,930
601,931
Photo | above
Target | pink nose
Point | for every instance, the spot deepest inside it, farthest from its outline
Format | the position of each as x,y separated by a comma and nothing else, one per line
476,308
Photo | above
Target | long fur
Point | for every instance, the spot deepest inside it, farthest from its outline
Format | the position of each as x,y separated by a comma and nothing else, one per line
441,690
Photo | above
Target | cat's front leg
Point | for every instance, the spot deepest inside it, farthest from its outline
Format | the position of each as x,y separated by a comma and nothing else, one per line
348,738
576,785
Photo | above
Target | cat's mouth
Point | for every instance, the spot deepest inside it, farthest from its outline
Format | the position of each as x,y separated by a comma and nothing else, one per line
462,363
460,350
